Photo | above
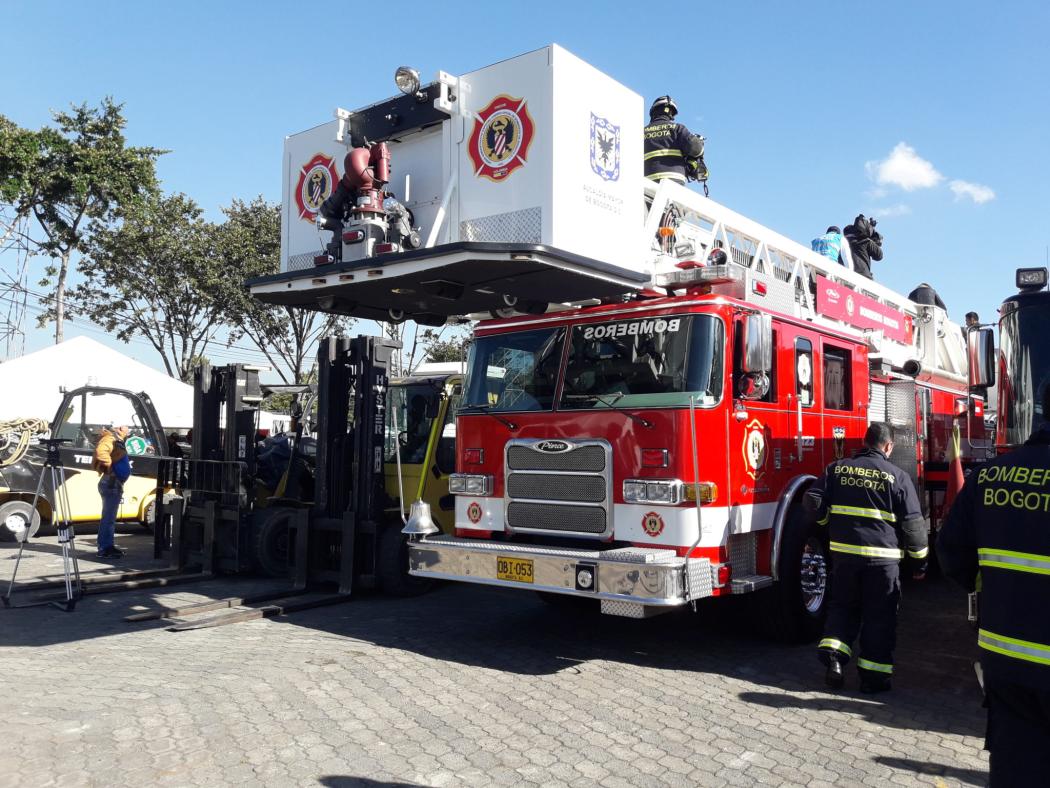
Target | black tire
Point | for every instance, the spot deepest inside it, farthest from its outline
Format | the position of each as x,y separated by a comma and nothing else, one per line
149,516
788,613
392,565
21,515
272,541
533,307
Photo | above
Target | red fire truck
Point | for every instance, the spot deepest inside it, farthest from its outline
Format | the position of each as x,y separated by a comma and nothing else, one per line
657,379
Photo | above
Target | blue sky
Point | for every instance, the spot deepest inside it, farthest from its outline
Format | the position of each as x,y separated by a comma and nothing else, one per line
931,116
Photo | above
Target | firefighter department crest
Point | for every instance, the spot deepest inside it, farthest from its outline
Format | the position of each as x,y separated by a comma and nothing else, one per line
501,138
652,524
755,448
605,148
317,179
838,435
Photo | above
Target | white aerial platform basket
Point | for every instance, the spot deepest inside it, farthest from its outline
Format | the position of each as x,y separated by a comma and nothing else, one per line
522,179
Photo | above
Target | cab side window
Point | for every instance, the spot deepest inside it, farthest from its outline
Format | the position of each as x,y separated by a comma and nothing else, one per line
804,371
838,389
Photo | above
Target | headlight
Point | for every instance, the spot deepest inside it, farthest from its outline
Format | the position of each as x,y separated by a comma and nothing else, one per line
659,492
469,484
407,80
666,491
633,492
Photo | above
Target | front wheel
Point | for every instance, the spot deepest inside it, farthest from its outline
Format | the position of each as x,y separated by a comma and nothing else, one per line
272,541
795,608
18,521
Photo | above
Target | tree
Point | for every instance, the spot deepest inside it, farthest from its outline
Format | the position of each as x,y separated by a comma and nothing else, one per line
451,348
70,177
250,245
158,275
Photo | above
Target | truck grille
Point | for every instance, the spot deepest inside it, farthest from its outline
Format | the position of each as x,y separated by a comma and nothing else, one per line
563,491
546,487
582,458
524,516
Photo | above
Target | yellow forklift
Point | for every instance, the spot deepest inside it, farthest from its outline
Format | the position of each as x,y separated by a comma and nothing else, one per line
80,419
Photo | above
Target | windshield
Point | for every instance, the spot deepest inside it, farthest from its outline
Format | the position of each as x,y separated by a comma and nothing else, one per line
645,362
514,372
415,407
1024,370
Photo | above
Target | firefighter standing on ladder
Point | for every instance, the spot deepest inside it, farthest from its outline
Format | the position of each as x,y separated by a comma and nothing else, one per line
870,507
997,536
671,150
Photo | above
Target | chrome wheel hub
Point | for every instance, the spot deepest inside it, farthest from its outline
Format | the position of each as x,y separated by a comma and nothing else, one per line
814,577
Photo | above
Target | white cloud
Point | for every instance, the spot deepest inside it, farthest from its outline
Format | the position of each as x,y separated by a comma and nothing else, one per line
975,191
900,209
904,168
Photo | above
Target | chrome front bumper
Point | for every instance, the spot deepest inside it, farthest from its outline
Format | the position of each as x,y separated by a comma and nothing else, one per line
637,576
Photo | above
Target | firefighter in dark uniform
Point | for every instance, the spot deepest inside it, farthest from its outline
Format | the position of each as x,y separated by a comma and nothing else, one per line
671,150
997,539
873,517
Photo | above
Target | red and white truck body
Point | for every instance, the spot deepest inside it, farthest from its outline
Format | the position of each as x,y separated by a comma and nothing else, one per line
654,380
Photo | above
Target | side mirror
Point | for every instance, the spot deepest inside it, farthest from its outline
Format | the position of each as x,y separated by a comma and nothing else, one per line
980,353
757,345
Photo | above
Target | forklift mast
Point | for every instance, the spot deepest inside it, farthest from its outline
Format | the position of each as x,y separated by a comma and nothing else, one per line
233,391
352,383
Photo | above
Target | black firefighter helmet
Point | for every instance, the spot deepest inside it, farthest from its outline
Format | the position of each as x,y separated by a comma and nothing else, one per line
663,106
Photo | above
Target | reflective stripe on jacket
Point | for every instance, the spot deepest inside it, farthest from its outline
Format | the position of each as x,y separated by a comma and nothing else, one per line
871,509
667,146
998,530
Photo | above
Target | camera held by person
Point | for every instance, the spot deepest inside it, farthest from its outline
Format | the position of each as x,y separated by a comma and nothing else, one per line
865,244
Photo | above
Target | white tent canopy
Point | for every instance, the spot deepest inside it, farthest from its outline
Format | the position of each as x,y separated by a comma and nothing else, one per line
30,385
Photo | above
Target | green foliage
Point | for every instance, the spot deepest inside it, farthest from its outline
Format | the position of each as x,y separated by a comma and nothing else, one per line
157,275
450,348
250,244
79,173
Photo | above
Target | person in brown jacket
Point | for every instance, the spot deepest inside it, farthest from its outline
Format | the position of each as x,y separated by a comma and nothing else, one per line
113,466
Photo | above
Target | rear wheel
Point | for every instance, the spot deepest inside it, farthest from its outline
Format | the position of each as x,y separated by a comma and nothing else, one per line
795,608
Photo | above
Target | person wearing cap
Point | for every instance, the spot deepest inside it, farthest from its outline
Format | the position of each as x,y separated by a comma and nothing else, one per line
671,150
113,466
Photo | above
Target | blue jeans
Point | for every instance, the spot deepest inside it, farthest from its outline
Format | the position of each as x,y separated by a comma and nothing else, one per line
111,491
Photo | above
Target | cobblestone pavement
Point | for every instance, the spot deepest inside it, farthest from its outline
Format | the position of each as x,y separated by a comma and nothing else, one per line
468,686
